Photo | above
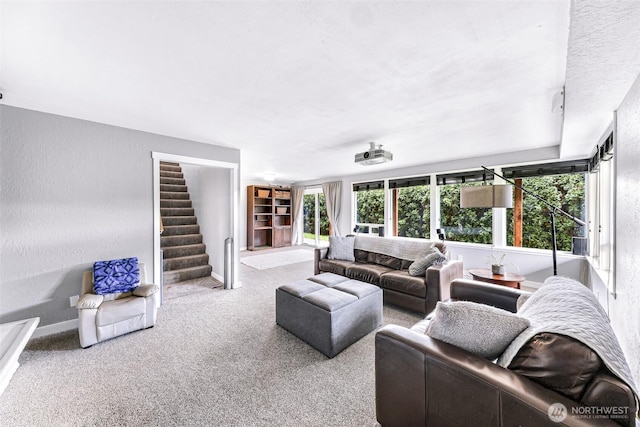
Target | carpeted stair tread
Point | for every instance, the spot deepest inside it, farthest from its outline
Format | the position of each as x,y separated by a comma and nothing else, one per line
181,195
176,212
184,254
188,273
179,220
183,250
171,187
170,168
172,181
179,230
170,174
174,203
184,239
177,263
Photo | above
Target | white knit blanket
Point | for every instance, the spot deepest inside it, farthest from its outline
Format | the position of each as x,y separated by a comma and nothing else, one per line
567,307
399,247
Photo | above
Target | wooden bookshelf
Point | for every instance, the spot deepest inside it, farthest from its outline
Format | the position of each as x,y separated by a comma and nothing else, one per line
268,217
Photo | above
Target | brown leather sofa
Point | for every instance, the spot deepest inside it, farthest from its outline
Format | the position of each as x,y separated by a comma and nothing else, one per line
419,294
424,381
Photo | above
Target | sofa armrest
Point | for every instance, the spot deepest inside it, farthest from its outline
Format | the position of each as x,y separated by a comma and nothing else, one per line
318,254
424,381
145,290
438,279
89,301
498,296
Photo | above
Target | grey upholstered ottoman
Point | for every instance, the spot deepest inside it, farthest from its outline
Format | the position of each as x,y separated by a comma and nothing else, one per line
329,317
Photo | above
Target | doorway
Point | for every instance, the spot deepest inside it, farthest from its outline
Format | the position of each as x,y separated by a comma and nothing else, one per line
316,220
226,216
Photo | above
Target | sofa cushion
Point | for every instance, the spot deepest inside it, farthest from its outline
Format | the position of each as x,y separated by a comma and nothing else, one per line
341,248
360,255
419,266
119,310
404,265
369,273
557,362
402,282
480,329
334,266
388,261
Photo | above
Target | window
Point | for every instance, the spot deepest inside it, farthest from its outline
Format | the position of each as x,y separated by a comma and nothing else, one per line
410,198
562,185
369,206
601,181
473,225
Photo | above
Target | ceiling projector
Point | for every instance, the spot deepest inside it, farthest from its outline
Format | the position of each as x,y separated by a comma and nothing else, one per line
374,155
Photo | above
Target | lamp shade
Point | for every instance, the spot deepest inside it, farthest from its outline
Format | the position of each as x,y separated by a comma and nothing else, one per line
486,196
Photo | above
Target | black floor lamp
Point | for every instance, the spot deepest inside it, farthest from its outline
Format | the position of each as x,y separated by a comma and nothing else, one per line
499,202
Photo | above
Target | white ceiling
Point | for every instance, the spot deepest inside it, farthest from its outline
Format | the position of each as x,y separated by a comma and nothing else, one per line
300,87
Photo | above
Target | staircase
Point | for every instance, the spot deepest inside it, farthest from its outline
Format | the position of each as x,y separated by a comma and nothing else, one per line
184,253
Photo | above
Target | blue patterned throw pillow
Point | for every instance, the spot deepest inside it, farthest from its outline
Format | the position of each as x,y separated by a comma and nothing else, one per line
117,275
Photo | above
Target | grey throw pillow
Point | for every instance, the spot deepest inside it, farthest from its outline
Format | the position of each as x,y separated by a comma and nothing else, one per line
480,329
419,266
341,248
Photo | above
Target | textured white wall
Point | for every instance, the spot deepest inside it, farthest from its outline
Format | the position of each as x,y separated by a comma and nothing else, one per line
209,189
73,192
624,309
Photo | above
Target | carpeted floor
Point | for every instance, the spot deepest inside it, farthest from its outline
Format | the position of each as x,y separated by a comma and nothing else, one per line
215,357
271,259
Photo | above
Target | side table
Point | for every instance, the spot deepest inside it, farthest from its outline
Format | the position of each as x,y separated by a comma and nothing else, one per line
511,280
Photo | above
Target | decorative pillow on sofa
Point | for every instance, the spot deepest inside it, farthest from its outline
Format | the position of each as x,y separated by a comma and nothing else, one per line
441,247
558,362
117,275
341,248
419,266
478,328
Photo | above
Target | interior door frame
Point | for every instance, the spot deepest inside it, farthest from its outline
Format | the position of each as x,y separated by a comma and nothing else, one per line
234,198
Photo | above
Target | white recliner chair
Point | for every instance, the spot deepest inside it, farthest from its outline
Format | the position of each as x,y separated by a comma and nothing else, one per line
102,317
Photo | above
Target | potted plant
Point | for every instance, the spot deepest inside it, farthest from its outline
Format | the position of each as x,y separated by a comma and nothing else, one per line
497,264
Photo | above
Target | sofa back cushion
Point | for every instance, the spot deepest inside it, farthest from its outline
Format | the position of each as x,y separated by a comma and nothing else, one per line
388,261
558,362
361,255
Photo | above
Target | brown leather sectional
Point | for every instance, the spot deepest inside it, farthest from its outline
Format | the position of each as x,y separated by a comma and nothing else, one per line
419,294
423,381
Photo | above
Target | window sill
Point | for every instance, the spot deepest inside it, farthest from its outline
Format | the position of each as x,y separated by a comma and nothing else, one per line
515,250
605,276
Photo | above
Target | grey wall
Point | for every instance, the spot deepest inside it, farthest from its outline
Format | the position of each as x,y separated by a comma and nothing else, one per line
73,192
624,309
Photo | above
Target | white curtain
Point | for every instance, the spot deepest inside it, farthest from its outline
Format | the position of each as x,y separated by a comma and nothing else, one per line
333,198
297,194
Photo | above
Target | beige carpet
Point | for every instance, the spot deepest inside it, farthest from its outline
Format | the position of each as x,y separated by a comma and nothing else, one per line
272,259
188,287
215,358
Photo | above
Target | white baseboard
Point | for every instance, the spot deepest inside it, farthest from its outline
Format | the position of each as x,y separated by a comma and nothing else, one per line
55,328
